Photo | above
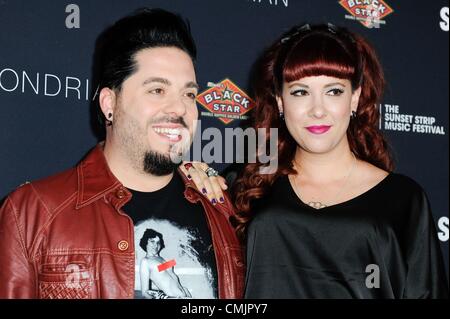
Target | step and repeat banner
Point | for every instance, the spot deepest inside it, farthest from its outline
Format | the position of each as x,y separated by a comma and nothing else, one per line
47,85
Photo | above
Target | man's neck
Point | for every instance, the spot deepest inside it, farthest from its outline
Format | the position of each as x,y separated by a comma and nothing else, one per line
130,176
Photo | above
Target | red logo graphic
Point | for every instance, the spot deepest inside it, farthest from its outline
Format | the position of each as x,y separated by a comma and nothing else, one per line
369,12
226,101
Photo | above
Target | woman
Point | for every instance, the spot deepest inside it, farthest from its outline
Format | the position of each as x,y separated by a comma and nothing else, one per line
167,283
333,221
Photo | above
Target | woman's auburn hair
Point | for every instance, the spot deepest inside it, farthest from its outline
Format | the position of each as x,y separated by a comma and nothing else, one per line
318,50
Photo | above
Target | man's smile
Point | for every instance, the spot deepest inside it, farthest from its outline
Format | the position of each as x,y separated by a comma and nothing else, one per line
173,133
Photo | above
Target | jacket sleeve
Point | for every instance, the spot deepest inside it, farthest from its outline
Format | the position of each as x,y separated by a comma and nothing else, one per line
426,276
17,274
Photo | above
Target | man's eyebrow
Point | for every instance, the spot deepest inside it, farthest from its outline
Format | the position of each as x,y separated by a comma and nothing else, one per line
192,85
156,80
164,81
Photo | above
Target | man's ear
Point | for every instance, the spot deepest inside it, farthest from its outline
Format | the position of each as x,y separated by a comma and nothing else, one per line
355,99
280,104
107,100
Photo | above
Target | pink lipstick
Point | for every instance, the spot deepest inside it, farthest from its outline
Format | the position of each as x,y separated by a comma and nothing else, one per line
318,129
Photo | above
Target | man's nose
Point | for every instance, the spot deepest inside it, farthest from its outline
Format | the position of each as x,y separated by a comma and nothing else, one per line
176,107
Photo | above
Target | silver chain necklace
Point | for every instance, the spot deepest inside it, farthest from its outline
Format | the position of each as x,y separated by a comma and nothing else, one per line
319,205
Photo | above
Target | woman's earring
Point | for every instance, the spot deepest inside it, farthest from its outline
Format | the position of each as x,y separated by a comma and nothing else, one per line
282,116
353,116
108,121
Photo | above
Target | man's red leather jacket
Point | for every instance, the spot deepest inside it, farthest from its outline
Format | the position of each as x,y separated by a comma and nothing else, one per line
66,237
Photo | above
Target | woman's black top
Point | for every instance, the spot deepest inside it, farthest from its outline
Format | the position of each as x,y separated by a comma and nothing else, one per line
381,244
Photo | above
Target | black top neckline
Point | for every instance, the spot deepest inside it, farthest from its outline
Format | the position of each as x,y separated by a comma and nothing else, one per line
342,204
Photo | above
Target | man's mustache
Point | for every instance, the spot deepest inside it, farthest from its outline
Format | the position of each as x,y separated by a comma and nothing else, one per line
169,120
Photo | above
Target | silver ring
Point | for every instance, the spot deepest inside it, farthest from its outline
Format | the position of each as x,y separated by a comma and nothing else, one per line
211,172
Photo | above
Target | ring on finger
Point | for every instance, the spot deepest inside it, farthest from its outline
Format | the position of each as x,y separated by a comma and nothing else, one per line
211,172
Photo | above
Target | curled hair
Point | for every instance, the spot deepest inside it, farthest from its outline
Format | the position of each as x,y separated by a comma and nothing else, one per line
149,234
313,51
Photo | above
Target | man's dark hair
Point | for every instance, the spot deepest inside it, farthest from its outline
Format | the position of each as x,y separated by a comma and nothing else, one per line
149,234
146,28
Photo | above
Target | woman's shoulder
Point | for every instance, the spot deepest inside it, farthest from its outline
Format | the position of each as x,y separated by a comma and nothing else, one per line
404,184
403,201
393,182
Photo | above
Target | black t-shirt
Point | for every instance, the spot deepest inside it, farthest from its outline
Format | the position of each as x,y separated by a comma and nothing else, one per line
381,244
174,252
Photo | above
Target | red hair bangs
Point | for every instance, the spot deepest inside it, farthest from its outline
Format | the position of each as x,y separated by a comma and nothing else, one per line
319,55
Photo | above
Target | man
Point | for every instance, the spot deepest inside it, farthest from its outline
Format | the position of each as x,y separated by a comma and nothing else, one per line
74,235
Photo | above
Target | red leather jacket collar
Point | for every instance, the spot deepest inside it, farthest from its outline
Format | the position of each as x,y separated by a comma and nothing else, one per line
94,178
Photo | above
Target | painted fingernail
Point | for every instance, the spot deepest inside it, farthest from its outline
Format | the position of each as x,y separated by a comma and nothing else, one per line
222,199
204,190
214,201
189,177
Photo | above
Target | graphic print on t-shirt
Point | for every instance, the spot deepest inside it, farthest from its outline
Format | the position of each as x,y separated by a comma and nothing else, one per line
174,255
169,262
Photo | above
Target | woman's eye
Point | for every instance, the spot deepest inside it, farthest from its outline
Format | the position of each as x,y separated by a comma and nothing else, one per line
299,92
335,92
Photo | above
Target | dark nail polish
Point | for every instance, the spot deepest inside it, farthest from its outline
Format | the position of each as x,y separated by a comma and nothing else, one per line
189,177
204,191
214,201
222,200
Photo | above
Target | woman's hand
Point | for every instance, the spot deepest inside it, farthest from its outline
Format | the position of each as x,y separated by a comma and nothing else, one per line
211,186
